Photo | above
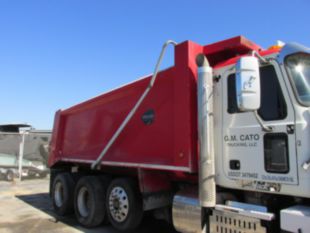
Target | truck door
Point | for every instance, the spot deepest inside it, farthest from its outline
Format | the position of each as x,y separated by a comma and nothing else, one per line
263,160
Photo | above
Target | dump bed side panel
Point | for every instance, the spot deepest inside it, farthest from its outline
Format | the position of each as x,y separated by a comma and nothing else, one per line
162,134
139,142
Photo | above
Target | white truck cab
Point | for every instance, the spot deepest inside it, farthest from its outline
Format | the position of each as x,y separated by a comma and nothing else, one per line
262,129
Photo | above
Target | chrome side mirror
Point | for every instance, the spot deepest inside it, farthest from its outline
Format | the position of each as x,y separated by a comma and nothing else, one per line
248,84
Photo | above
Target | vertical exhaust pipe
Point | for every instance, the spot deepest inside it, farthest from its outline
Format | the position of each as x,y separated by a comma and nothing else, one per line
207,186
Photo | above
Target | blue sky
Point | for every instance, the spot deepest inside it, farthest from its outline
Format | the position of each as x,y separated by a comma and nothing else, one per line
54,54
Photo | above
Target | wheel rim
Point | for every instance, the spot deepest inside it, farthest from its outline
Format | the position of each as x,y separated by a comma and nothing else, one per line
83,202
59,194
118,204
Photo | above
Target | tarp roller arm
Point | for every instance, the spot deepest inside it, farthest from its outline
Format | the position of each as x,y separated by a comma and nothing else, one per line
134,109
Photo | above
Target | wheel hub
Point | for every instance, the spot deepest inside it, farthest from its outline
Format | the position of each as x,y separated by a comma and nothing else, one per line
59,194
83,202
118,204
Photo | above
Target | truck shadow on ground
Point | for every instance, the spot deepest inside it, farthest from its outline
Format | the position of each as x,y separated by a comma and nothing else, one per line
42,202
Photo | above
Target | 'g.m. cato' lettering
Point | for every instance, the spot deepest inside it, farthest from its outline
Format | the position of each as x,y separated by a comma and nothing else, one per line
242,137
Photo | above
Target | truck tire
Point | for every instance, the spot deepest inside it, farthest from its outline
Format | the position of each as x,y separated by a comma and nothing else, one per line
9,175
62,194
89,197
124,204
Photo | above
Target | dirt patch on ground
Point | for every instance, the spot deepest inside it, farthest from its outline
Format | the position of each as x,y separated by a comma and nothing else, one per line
25,207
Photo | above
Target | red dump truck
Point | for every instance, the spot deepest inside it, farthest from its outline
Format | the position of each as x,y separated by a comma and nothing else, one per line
216,143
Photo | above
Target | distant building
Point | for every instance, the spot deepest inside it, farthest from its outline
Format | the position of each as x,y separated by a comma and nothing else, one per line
23,140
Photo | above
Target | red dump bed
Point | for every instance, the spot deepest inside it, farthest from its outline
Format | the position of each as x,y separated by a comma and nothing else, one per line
163,132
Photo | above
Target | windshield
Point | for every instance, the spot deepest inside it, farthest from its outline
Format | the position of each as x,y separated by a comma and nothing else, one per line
299,68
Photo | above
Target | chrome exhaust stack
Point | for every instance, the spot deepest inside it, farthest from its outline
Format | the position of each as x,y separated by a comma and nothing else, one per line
187,211
207,186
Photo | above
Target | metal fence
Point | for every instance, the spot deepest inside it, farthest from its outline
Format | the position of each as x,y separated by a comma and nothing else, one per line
24,155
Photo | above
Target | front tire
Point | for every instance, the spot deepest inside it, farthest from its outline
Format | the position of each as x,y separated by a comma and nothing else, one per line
89,201
62,194
124,204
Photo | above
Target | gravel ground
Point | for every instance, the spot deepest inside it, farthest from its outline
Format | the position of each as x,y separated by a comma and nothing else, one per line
25,207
